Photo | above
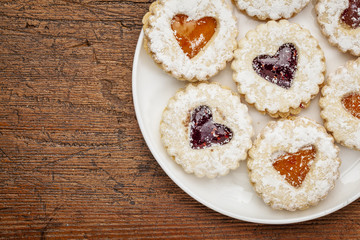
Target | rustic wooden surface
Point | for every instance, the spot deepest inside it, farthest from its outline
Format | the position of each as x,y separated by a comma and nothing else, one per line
73,163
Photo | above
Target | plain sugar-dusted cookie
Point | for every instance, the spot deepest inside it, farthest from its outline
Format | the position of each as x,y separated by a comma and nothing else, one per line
274,9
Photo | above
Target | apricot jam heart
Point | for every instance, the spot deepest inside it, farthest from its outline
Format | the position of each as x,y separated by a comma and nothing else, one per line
204,132
280,68
295,166
192,35
351,103
351,15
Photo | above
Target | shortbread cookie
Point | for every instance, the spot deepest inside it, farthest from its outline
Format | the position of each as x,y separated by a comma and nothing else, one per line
279,68
274,9
340,22
340,104
293,163
206,129
190,39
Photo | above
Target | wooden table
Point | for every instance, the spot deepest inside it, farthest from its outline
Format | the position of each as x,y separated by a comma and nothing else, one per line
73,162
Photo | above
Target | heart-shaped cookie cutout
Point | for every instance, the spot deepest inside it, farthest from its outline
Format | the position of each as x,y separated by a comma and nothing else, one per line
193,35
295,166
204,132
280,68
351,15
351,103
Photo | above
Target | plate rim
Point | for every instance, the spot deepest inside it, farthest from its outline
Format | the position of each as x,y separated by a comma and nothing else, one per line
139,46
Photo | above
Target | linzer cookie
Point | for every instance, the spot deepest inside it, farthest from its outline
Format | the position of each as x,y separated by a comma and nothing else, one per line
274,9
279,68
206,129
340,104
340,22
190,39
293,163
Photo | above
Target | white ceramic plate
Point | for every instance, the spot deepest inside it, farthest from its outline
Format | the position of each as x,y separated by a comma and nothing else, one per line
233,195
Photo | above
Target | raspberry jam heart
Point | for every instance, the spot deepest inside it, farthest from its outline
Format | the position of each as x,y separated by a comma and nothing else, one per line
192,35
204,132
351,103
295,166
351,15
280,68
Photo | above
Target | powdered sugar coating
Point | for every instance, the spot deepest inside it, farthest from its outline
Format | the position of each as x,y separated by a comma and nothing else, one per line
344,126
166,51
267,96
289,135
226,109
274,9
347,39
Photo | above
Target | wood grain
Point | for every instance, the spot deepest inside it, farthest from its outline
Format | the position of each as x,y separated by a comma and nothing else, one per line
73,163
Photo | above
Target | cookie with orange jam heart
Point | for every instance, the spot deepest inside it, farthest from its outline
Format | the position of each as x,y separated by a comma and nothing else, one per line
293,163
206,129
340,23
279,67
340,104
274,9
190,39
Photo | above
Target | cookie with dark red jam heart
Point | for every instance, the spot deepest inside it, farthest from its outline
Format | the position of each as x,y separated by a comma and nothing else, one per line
340,23
204,132
206,129
279,69
351,15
